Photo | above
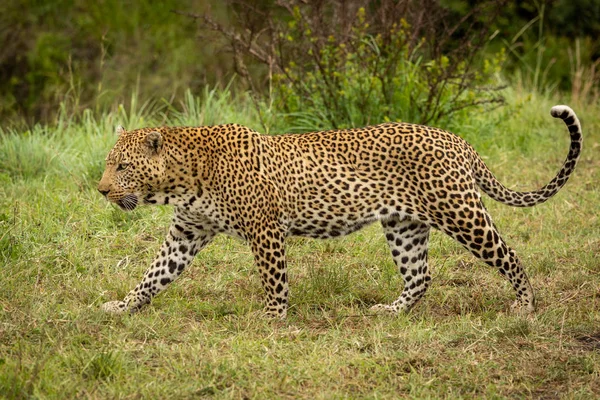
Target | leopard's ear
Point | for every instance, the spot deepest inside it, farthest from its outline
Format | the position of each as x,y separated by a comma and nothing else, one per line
119,130
154,141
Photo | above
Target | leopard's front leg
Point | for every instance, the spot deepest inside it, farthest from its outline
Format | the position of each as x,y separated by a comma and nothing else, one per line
183,242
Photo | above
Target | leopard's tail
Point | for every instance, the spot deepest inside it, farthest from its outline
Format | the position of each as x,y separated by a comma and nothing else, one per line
497,191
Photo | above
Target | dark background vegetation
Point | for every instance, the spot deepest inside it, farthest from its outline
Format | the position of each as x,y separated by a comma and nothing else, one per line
96,54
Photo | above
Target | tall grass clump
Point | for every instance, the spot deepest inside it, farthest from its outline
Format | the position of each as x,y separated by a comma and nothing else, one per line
548,65
75,145
585,77
213,106
534,65
30,155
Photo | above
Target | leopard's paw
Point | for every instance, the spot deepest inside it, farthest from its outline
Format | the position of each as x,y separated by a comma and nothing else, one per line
519,308
114,307
274,313
385,309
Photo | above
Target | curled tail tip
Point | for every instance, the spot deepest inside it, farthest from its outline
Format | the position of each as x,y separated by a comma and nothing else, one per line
561,111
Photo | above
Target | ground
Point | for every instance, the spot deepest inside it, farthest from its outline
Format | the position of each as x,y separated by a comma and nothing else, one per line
64,251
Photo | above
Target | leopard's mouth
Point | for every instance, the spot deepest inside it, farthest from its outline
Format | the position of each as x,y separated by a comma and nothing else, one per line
128,202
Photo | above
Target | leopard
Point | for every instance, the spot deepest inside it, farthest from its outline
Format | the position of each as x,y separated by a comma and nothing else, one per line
263,188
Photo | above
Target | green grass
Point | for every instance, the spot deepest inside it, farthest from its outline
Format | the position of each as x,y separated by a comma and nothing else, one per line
64,251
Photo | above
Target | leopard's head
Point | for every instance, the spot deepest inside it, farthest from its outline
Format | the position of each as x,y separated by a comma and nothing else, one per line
135,167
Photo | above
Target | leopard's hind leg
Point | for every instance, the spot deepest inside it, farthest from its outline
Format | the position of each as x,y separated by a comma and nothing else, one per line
408,242
471,225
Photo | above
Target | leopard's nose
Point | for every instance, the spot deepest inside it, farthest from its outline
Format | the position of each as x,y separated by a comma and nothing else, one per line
104,192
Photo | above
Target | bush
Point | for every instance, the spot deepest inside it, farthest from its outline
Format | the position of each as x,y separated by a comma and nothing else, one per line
368,79
334,64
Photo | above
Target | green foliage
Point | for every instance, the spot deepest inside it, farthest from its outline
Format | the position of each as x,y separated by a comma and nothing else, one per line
551,45
333,65
576,18
94,54
367,79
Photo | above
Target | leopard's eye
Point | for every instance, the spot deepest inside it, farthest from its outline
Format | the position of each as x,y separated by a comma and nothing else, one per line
122,166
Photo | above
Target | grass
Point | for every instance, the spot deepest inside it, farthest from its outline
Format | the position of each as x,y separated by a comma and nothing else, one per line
64,251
